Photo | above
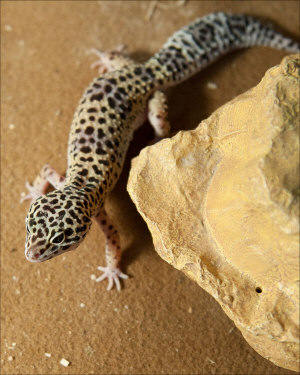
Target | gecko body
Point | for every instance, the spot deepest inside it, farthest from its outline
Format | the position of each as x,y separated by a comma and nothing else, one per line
111,109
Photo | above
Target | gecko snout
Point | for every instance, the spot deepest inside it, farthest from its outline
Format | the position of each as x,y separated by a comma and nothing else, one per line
33,255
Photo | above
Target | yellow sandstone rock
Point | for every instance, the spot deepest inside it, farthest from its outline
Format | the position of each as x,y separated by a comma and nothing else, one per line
221,202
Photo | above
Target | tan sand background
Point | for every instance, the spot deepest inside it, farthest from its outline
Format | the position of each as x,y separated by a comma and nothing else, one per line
161,323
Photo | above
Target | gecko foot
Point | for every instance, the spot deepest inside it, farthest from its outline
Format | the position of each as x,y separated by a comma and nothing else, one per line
113,275
33,194
111,60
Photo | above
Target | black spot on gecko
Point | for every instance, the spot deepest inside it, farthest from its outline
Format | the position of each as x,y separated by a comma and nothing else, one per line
109,144
89,129
150,72
84,172
104,162
96,170
91,110
111,102
86,159
118,96
69,231
93,179
85,149
137,71
68,205
100,133
96,97
100,151
107,88
122,90
48,208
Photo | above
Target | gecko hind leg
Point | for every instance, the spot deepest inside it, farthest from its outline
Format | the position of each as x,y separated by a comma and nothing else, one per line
112,270
158,114
111,60
47,176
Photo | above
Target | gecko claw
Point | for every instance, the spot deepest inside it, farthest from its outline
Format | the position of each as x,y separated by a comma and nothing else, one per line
113,275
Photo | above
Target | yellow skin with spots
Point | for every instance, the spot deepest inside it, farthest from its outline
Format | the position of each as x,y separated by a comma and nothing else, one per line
111,109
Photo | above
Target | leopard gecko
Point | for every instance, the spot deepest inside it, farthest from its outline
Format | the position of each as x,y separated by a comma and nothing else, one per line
110,110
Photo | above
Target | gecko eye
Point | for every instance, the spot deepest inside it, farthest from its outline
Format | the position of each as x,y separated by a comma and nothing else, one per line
58,239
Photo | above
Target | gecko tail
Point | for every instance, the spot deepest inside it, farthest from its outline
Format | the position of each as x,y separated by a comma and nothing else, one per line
208,38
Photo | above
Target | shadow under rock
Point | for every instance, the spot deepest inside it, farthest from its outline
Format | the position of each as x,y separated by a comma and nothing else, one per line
130,220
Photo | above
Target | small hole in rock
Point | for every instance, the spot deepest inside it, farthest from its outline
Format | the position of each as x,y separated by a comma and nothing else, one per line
258,290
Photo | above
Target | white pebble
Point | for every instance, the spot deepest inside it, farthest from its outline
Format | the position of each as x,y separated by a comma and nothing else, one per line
82,305
48,355
15,278
11,126
93,277
10,358
212,85
126,307
64,362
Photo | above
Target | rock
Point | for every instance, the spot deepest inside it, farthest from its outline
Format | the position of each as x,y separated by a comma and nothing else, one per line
221,202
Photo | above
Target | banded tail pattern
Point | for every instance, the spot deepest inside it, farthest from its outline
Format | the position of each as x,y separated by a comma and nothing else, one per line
206,39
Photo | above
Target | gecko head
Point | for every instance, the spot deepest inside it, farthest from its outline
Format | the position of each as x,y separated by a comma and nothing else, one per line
56,222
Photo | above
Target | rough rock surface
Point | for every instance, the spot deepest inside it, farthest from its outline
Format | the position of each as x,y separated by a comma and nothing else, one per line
221,202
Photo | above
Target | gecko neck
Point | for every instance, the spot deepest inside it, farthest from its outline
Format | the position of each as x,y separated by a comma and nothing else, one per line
90,194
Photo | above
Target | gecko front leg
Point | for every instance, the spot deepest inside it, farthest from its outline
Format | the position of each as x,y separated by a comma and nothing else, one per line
112,270
47,175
